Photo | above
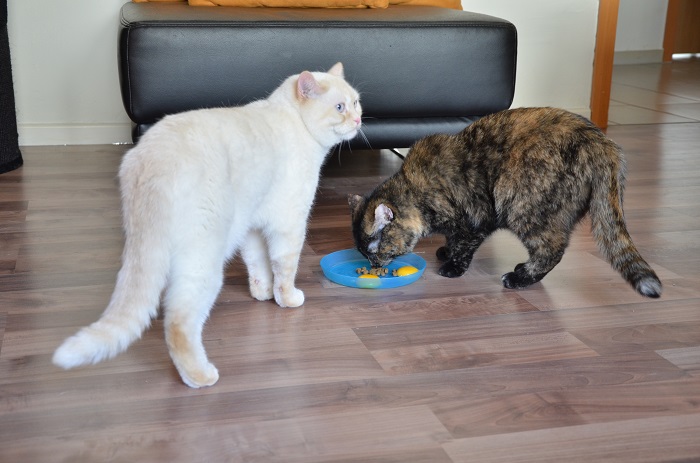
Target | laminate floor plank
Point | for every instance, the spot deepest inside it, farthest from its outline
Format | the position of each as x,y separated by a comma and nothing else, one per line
653,440
577,367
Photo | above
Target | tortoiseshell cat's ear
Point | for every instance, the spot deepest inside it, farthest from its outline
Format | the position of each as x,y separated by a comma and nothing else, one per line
355,202
383,215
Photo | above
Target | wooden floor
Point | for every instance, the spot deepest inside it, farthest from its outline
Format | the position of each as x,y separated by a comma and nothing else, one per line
578,368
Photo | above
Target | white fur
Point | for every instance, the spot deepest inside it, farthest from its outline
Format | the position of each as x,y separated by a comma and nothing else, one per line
383,216
202,185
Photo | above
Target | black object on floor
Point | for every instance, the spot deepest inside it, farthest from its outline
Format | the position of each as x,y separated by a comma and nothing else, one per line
10,155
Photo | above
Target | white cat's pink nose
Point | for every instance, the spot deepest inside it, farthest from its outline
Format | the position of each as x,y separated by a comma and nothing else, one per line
358,121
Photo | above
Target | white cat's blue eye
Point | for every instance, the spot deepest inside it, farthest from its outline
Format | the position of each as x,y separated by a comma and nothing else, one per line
356,102
340,107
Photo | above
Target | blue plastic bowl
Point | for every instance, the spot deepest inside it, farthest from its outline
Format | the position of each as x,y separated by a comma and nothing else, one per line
341,267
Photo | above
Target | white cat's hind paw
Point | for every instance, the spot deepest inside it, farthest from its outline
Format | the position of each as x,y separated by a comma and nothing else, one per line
289,298
196,378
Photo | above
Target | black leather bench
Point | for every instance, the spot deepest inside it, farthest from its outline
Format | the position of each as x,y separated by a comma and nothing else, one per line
419,70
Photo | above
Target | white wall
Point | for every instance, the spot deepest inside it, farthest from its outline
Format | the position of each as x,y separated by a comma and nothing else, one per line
556,41
64,57
640,31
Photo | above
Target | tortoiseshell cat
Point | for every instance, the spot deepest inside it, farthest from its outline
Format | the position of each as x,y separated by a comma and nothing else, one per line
534,171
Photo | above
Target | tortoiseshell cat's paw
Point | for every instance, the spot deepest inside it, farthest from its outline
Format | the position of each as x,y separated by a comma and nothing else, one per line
450,270
511,281
518,279
443,254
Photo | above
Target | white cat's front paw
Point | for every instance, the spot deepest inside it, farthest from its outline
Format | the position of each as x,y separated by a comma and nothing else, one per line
260,290
292,297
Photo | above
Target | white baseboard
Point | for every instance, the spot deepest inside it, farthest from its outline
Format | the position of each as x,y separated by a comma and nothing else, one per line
638,57
105,134
73,134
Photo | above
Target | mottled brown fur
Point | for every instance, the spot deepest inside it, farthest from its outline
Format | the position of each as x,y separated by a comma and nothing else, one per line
533,171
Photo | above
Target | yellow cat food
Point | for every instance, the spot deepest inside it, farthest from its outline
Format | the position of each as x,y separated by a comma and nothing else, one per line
382,271
404,271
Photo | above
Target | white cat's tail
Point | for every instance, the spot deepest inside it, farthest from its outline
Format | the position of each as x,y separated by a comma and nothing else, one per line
132,306
141,279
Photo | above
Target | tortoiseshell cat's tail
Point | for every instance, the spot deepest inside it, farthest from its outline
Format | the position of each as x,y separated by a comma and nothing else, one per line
610,231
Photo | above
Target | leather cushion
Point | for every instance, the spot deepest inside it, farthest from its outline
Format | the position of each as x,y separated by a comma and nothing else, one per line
406,61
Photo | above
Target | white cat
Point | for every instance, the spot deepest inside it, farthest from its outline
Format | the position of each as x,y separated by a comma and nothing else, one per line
202,185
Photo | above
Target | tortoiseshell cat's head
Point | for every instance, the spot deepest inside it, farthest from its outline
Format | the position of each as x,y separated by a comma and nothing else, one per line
383,231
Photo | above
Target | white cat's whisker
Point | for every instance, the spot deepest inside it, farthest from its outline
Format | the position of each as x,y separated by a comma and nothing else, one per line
364,137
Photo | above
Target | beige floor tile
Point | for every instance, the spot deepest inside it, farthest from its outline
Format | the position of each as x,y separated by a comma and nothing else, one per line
657,93
691,110
637,115
645,98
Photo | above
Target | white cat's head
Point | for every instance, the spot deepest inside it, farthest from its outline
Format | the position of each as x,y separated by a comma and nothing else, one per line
328,105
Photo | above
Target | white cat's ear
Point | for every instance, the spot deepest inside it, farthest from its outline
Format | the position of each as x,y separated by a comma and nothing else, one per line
337,70
383,216
307,86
